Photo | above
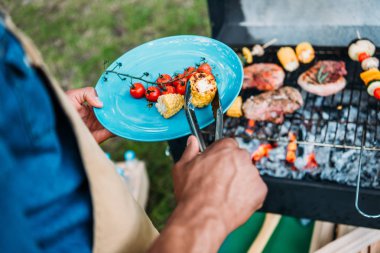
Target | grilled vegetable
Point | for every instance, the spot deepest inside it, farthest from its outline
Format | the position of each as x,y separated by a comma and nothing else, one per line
203,89
305,52
247,55
288,58
362,56
258,50
370,75
370,63
360,46
169,104
374,89
235,109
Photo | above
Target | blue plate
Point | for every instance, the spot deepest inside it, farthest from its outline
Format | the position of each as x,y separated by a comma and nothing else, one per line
132,118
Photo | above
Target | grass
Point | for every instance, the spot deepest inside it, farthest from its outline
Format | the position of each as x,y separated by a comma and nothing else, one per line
77,36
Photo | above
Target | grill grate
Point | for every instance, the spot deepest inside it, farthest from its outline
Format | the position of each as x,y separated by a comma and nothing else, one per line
351,115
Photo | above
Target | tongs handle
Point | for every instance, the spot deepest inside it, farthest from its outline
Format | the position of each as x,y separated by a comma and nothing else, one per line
194,126
218,123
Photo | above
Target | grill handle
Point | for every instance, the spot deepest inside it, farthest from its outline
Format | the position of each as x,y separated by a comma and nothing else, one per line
373,216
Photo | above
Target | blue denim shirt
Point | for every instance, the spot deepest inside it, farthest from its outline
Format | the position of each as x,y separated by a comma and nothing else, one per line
45,204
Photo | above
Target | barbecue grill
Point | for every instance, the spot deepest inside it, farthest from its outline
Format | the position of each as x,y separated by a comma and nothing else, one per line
343,129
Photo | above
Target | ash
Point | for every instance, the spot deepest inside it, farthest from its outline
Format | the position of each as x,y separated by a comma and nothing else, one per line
333,128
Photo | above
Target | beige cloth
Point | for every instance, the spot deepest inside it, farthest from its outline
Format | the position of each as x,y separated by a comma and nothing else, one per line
120,224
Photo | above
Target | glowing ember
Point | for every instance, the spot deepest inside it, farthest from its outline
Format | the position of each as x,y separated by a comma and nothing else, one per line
262,151
291,156
251,123
291,148
311,161
292,137
249,131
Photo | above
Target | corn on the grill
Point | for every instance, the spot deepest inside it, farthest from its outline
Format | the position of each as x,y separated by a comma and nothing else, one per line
288,58
203,89
235,109
169,104
305,52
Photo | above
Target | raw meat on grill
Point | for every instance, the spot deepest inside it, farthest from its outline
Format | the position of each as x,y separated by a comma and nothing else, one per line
273,105
325,78
263,76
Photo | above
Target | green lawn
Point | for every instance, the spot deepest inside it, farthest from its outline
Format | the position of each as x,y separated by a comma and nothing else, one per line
77,36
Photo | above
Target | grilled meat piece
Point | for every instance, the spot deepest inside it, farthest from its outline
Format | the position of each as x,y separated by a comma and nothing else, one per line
263,76
273,105
325,78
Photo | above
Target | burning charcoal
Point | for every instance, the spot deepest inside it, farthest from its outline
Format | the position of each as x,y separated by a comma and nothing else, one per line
300,163
352,117
249,146
239,130
376,182
319,101
340,134
277,154
325,115
322,155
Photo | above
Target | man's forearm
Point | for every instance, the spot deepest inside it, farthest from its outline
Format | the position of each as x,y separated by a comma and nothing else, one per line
191,230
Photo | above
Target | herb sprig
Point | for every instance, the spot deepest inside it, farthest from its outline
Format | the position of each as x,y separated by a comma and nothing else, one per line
321,77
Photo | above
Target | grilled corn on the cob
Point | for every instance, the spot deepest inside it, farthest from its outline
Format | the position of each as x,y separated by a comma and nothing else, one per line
169,104
305,52
288,58
203,89
235,109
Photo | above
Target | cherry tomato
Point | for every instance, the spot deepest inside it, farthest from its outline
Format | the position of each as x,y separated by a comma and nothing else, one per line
205,68
187,73
376,93
362,56
137,90
152,93
168,90
164,80
181,89
181,81
176,79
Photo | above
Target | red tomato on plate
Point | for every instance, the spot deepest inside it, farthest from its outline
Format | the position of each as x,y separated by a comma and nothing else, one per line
152,93
137,90
181,89
164,80
180,81
168,90
205,68
188,72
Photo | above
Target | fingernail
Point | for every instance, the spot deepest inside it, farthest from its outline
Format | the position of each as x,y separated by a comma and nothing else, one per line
98,100
189,141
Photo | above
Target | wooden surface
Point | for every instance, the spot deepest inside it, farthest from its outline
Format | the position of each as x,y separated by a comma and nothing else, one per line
323,234
355,241
270,223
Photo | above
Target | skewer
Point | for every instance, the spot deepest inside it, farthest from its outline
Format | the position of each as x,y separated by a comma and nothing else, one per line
358,35
269,43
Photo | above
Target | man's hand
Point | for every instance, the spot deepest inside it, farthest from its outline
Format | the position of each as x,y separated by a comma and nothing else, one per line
84,100
216,191
223,177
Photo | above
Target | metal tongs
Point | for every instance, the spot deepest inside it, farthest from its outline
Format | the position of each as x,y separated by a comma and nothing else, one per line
193,122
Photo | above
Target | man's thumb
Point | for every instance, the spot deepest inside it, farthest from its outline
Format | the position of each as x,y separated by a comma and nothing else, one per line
191,151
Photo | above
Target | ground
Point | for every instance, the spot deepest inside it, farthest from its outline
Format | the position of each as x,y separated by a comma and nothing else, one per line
76,37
